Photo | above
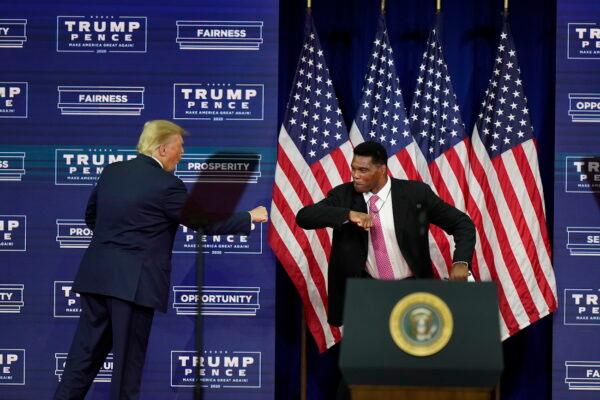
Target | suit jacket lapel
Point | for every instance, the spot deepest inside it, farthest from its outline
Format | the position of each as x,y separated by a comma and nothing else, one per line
400,208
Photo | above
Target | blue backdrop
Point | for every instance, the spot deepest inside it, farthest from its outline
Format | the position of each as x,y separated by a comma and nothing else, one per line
78,80
576,359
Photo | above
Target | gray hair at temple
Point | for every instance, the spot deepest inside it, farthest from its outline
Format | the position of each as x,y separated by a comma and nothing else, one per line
157,132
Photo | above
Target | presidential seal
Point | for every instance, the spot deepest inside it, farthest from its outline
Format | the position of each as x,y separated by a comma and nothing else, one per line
421,324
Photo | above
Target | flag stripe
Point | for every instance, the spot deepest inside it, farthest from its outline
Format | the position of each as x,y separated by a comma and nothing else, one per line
298,167
323,175
283,181
407,162
298,276
530,232
449,167
504,230
525,157
437,180
497,264
316,268
520,236
342,157
457,162
491,263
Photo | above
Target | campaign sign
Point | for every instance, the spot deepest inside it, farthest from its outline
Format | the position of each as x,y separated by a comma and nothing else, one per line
582,375
186,241
582,174
223,168
83,166
101,34
11,298
104,375
12,166
12,366
216,369
583,241
584,107
101,100
583,41
216,300
13,233
13,99
67,303
218,101
219,35
73,234
581,307
13,33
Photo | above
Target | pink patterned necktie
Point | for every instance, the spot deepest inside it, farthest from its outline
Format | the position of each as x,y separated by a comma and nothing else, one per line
382,258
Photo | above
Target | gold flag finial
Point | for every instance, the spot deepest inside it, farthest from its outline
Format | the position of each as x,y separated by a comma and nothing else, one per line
382,6
438,5
309,4
505,5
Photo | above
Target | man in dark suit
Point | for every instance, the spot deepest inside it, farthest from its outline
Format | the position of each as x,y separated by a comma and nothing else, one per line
380,227
124,275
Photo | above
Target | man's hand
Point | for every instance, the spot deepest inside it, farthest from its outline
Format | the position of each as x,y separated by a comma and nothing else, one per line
259,214
460,271
361,220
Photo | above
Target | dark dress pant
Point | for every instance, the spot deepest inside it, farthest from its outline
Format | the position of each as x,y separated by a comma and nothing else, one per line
107,323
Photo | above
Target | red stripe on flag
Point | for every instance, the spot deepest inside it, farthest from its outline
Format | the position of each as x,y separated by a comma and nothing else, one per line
507,253
303,242
440,238
519,219
458,168
438,181
339,158
535,196
509,318
408,164
443,192
293,270
303,193
289,170
536,200
321,177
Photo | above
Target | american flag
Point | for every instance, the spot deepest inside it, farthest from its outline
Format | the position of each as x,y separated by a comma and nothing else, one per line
381,115
507,202
313,156
436,125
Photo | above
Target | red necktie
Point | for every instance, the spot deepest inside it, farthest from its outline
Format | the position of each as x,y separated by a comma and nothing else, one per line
382,259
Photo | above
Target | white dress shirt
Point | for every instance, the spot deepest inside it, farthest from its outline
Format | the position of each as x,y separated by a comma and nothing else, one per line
386,216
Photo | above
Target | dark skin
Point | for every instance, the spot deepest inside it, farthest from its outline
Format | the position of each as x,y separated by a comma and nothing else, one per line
368,176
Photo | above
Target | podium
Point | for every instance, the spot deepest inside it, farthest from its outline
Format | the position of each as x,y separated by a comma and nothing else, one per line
421,340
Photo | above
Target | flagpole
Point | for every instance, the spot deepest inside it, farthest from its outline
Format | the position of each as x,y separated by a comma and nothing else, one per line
382,6
505,8
303,357
438,6
303,350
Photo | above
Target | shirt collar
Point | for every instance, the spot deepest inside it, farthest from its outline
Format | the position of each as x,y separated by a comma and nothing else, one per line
382,193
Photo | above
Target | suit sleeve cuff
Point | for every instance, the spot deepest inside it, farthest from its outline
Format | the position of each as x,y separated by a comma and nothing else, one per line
462,262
